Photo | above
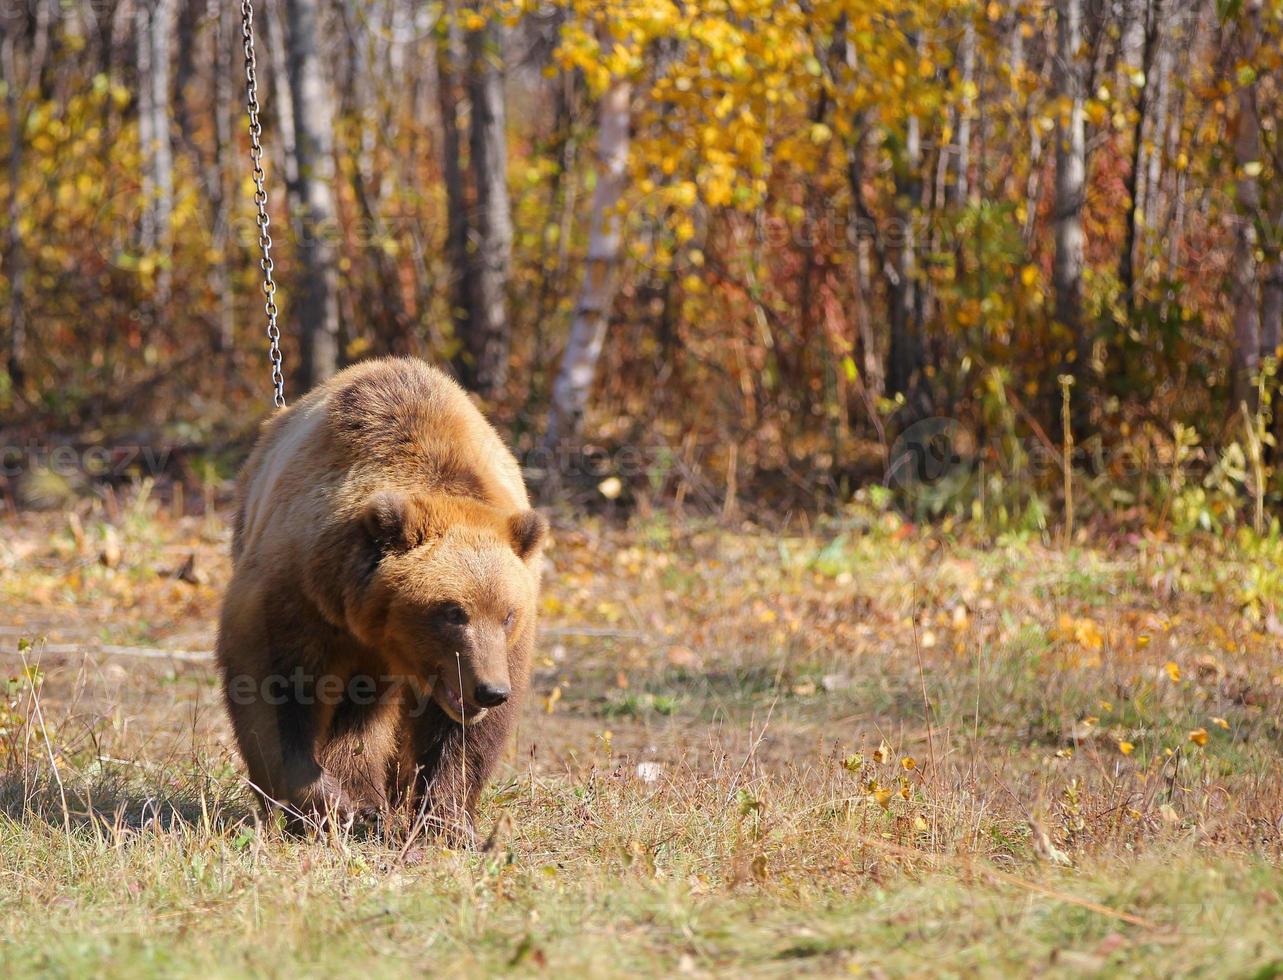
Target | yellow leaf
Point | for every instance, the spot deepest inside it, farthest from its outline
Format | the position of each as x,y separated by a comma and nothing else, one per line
550,702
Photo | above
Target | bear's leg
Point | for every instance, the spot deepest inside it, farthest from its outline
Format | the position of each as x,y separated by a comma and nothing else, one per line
314,743
454,764
306,789
280,728
248,692
359,749
280,720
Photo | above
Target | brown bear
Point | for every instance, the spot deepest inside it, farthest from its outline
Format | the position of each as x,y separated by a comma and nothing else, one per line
376,636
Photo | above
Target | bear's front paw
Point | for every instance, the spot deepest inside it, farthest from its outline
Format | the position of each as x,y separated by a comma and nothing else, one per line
325,804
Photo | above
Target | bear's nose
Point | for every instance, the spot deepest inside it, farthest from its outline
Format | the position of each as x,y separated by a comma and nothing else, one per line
491,695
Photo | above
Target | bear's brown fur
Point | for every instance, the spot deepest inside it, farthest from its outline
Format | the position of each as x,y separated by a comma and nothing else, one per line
386,575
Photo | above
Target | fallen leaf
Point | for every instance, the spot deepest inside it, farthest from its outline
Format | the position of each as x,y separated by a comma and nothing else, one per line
682,657
550,702
649,772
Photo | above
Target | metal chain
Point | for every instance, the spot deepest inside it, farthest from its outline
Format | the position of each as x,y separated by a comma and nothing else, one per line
260,200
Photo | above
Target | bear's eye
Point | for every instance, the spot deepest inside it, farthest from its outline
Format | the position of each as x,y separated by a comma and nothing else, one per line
454,614
509,619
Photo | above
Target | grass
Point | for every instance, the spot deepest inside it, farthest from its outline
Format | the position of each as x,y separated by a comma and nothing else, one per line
866,749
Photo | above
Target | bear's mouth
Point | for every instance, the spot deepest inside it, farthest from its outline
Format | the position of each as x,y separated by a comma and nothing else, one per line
454,705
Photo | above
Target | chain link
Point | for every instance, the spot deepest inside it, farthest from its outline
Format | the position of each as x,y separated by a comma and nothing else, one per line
260,201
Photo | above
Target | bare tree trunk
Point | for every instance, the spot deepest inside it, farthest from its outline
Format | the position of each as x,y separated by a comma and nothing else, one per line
451,102
1272,288
16,84
1247,292
146,123
363,98
489,339
1033,177
276,41
1172,223
1132,35
187,18
154,22
15,258
1151,20
874,379
479,212
1272,308
219,180
1071,174
961,187
559,203
863,238
317,224
1152,198
904,358
578,369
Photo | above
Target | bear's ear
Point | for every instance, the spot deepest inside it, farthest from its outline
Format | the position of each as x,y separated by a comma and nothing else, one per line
395,522
528,530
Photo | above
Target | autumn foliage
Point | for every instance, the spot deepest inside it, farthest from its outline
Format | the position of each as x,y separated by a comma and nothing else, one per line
840,219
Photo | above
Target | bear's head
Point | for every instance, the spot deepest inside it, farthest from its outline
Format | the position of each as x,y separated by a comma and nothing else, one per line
448,593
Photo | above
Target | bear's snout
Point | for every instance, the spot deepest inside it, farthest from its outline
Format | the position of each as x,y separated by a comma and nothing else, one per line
491,695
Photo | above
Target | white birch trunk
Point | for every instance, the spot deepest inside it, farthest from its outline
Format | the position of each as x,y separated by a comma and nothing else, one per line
1247,289
578,368
1071,171
317,225
154,24
961,188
